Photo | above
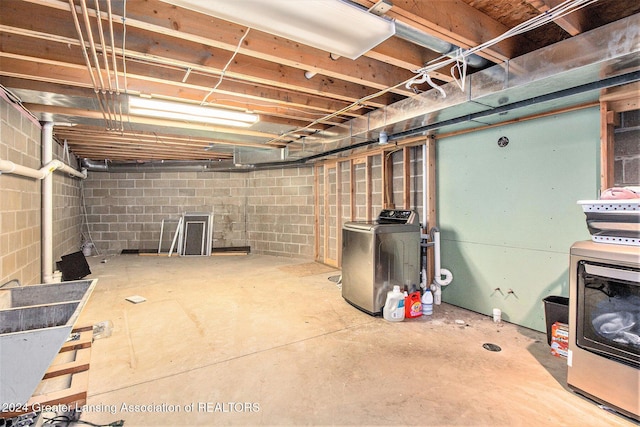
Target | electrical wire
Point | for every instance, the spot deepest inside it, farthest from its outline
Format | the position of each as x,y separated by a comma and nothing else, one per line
561,10
85,218
66,421
552,14
224,70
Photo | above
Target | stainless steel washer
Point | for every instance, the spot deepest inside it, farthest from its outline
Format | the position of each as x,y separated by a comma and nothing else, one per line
377,255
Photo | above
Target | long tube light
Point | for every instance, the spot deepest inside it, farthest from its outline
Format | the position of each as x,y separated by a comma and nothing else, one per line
334,26
189,113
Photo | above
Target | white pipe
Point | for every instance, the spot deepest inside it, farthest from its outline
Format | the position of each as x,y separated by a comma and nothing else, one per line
47,205
7,166
44,174
438,280
424,236
439,272
58,165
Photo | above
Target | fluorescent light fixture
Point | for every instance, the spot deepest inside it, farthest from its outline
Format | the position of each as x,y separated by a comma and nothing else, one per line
189,113
334,26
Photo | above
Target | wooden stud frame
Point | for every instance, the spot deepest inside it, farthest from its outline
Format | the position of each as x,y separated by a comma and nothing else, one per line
322,248
613,102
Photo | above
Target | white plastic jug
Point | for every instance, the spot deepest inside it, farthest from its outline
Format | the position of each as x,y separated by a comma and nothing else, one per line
427,303
393,309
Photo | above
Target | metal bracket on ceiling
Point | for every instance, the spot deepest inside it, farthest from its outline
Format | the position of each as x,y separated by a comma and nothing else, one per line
381,7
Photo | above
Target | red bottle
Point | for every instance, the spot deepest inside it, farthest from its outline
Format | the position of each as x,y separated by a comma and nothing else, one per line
412,305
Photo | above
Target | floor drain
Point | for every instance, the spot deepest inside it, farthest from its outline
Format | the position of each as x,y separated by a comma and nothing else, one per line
491,347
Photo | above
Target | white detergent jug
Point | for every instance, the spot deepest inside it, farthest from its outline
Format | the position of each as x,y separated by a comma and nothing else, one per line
393,309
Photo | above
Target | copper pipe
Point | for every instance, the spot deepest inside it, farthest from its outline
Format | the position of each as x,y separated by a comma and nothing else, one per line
94,53
103,44
113,46
74,14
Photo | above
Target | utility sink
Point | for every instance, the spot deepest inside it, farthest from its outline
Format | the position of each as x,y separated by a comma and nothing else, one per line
35,321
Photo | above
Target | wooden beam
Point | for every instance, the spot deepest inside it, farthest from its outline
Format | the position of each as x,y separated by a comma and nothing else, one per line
573,23
100,136
352,190
80,363
208,31
431,215
607,159
272,114
368,188
325,210
622,98
316,217
406,55
387,179
339,213
180,56
168,86
458,23
406,177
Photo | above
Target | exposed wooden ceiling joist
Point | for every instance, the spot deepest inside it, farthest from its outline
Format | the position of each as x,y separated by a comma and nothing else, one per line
167,52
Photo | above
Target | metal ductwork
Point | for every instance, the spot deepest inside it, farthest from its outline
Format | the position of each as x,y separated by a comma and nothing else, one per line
514,89
418,37
160,166
206,166
568,73
183,166
435,44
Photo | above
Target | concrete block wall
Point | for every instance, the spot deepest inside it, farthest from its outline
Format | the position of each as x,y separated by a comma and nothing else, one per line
68,220
360,178
376,186
627,149
125,210
280,212
415,180
332,203
270,211
21,201
20,198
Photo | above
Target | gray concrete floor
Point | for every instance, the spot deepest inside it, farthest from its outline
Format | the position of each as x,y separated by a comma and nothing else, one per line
260,340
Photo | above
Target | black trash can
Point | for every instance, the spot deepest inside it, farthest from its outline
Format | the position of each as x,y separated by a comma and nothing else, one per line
556,309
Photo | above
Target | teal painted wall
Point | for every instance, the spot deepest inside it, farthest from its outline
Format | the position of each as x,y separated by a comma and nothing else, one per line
508,216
